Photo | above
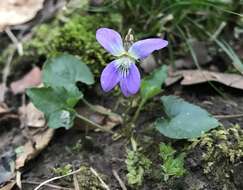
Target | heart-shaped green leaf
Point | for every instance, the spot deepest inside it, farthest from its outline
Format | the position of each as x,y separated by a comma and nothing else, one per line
56,103
64,71
184,120
61,118
151,85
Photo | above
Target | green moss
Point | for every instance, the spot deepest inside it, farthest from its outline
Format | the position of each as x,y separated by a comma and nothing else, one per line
221,150
88,181
64,170
77,147
137,166
173,166
39,44
76,36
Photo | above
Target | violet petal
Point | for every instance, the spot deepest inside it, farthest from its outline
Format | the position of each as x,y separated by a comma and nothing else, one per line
110,40
143,48
109,77
131,84
123,86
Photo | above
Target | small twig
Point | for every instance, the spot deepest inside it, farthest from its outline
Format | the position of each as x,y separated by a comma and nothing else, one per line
47,185
6,72
121,183
228,116
23,117
23,123
101,181
75,182
18,180
16,42
56,178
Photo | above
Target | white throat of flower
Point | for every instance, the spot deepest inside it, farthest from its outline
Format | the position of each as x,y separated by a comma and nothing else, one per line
123,65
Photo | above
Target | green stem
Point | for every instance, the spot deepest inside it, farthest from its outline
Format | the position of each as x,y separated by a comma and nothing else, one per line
125,114
93,108
138,110
93,123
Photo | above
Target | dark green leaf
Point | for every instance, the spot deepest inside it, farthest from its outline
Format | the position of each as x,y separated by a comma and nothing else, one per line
184,120
61,118
151,85
64,71
49,99
56,103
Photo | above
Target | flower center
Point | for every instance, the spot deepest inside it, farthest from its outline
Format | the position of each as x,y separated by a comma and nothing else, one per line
123,66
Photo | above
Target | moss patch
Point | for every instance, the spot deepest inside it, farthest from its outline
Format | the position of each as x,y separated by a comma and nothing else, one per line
88,181
221,150
76,36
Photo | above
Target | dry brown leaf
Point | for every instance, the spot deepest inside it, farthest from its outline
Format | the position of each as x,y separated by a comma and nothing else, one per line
33,116
9,186
30,150
172,79
191,77
31,79
107,121
7,165
8,116
4,108
13,12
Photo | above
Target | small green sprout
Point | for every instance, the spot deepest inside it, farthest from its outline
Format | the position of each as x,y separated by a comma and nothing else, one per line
172,165
137,165
64,170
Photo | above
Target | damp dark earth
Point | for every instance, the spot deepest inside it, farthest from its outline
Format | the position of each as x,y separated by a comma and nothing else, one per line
121,95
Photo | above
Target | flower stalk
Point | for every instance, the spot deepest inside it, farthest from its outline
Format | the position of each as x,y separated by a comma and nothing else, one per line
141,104
95,125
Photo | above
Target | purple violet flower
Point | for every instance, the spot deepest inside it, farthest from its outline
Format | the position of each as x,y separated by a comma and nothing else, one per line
123,70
